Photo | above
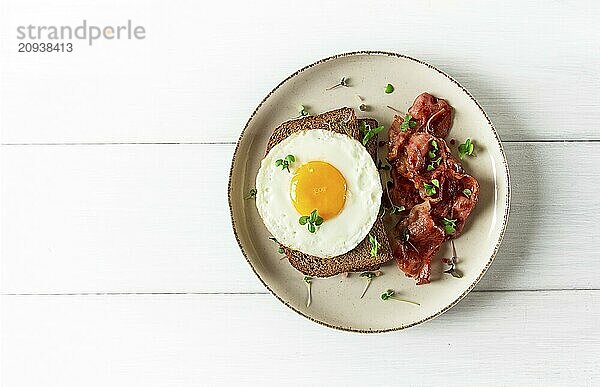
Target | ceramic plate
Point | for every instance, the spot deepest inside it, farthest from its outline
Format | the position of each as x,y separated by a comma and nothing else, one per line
335,300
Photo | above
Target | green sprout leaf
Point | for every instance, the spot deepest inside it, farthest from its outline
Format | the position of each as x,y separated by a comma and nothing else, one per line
343,83
285,162
369,275
432,155
449,225
407,123
364,127
387,294
397,209
389,89
467,192
280,250
372,133
374,245
466,149
312,221
302,111
251,194
429,189
391,295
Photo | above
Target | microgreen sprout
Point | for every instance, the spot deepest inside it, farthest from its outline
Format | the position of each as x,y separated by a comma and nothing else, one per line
251,194
467,192
362,106
285,162
434,163
407,123
396,209
389,88
393,209
449,225
374,245
391,295
313,221
302,111
369,132
369,275
430,188
432,155
466,149
343,83
280,250
453,271
404,238
308,282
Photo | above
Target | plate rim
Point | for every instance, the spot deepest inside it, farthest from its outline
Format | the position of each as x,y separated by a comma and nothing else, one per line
507,198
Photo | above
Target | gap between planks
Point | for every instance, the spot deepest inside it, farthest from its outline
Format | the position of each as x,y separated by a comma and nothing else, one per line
266,293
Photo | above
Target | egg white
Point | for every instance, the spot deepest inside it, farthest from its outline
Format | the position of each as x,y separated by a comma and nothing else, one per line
339,234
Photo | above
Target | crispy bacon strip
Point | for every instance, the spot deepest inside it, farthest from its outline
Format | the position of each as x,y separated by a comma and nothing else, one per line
398,137
434,114
413,256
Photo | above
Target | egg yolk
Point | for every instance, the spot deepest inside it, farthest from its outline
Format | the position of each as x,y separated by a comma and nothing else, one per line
318,185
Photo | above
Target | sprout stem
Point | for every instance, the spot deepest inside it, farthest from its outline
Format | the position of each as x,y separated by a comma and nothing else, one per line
394,109
366,287
403,300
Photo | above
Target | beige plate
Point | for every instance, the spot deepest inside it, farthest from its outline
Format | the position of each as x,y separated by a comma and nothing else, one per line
336,301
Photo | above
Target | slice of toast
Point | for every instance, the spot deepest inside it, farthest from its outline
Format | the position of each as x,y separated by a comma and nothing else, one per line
344,121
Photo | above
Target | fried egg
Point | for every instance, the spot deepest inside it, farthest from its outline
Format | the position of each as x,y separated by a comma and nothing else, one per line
331,173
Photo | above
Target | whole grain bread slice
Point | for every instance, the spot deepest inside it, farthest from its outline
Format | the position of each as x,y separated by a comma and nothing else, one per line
344,121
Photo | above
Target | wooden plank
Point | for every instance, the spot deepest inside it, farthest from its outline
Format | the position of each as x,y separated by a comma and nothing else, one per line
490,338
154,218
198,82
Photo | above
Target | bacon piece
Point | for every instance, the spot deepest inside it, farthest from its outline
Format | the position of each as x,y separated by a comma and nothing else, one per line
398,137
413,256
455,204
434,114
413,162
403,192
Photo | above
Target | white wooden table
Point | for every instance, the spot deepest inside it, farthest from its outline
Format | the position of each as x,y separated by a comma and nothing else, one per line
118,264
